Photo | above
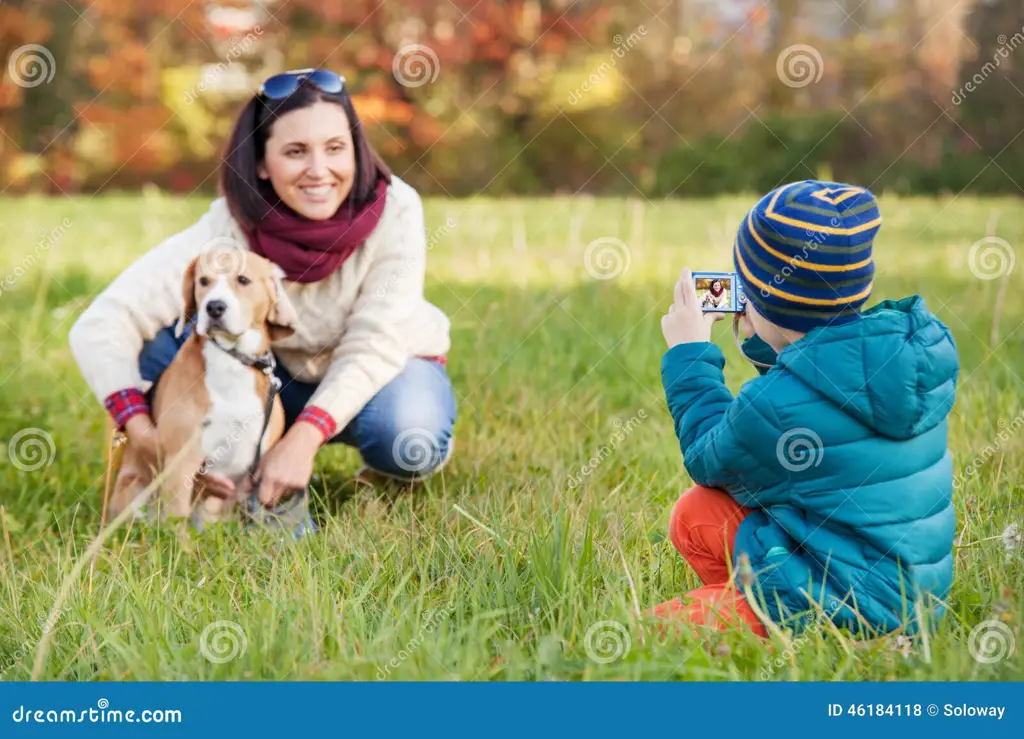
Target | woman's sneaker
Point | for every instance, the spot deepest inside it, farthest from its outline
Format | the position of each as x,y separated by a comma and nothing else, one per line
291,514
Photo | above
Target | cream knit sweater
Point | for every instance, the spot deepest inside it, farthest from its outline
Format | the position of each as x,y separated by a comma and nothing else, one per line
357,327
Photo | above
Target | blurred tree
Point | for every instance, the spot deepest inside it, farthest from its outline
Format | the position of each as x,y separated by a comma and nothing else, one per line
991,89
463,96
27,66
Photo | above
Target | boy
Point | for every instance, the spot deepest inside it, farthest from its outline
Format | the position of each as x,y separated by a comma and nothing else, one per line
829,472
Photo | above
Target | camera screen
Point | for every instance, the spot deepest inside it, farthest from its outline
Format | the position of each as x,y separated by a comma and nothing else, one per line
715,292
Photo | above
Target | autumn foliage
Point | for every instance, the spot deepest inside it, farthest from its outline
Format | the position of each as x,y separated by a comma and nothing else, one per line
461,96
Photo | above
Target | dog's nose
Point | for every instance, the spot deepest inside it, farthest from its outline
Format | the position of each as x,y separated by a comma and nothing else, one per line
216,308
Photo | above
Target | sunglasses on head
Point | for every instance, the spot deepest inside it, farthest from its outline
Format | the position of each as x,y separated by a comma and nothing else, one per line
282,85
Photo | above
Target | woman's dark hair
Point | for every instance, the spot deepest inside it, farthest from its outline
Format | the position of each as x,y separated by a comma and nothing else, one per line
249,197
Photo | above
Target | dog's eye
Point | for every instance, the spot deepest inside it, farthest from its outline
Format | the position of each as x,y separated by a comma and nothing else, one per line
243,280
204,281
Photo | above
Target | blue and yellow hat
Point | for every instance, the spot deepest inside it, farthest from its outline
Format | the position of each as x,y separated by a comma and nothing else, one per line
803,253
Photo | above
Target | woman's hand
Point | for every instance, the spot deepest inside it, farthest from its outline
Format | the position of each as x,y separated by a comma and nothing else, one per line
289,463
685,322
143,437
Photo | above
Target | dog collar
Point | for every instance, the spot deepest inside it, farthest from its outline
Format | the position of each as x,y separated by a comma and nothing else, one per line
265,362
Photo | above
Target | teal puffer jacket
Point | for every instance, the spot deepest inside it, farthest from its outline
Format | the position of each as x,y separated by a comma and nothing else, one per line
841,450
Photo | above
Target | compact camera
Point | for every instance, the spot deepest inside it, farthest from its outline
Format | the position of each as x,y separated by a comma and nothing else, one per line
720,292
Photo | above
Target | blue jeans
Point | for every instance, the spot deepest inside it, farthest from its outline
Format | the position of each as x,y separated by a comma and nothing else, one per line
405,430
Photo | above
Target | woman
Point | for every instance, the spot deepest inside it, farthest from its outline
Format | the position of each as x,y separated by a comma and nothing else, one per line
302,187
715,297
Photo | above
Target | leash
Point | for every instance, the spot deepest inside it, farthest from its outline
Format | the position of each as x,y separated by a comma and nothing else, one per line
292,515
266,364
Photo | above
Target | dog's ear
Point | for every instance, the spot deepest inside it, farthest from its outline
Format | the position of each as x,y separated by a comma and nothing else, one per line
282,319
188,293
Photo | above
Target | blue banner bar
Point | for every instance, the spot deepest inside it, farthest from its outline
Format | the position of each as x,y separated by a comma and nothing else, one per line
518,710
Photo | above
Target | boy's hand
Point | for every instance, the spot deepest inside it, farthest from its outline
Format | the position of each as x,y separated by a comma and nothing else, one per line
685,322
746,327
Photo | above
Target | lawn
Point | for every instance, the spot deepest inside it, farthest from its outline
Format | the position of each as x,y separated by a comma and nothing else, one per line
512,565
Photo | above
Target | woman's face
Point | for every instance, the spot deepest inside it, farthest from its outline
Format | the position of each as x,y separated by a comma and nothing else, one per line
310,160
716,285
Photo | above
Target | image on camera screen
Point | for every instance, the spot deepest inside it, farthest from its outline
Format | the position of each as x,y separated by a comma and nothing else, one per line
716,293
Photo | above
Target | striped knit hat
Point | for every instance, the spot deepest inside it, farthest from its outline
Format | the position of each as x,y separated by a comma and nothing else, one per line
803,253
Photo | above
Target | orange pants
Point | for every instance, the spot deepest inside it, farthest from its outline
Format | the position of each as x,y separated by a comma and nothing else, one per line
703,529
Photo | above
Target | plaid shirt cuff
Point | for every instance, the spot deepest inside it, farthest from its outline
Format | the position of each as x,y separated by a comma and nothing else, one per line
319,418
124,404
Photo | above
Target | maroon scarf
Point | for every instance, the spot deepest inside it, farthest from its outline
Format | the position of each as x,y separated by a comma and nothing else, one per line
309,251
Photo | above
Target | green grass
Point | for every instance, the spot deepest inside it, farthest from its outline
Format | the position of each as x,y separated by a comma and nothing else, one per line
498,568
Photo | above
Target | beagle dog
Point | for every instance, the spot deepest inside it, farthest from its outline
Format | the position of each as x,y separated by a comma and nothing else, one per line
220,381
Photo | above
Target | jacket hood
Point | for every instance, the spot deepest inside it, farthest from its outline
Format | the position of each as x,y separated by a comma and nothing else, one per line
894,369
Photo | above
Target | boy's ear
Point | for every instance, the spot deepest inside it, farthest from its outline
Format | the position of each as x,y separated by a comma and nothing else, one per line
188,294
282,319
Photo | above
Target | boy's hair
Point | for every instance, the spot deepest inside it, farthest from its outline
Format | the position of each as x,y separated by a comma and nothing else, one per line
803,253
